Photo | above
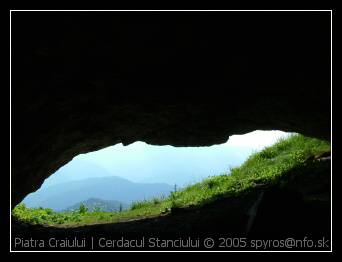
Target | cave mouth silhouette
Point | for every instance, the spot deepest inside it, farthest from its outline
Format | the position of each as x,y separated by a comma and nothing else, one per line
296,205
82,81
163,168
87,80
281,214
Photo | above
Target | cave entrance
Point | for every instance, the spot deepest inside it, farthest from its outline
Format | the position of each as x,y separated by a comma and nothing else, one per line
116,177
259,183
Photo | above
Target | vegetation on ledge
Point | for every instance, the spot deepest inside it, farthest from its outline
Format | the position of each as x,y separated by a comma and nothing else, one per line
261,169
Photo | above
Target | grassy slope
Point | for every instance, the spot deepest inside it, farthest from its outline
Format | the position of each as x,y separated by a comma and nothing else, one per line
261,169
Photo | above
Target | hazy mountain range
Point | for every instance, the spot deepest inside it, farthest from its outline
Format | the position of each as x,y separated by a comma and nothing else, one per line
63,195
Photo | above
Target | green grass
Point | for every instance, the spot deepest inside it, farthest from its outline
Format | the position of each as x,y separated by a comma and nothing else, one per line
264,168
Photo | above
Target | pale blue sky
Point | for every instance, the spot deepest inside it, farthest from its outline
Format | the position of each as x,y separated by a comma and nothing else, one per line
140,162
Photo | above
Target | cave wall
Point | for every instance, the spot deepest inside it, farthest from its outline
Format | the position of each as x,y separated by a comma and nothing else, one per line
82,81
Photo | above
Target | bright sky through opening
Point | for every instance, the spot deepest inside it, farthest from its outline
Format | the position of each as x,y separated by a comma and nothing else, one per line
143,163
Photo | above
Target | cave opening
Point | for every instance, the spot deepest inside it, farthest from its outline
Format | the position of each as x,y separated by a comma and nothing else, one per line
243,181
86,82
114,178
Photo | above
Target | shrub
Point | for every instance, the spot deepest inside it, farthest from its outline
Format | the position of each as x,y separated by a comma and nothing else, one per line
82,209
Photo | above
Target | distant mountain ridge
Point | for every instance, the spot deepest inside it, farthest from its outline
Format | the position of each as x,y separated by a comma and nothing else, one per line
77,170
63,195
102,205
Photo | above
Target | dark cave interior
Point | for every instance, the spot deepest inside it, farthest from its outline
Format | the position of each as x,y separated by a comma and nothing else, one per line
82,81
